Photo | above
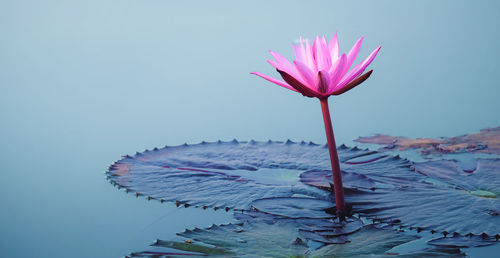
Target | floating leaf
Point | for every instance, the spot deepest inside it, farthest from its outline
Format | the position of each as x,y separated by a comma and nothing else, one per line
437,195
437,251
164,248
190,247
475,195
281,239
440,196
277,233
233,175
368,241
314,218
463,241
486,141
225,174
382,170
198,188
373,241
314,236
323,178
294,207
329,232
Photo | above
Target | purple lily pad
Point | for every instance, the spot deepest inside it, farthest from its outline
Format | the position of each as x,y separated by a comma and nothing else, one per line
436,251
463,241
367,158
435,195
294,207
335,233
440,197
323,178
314,236
369,241
331,228
224,174
310,216
477,194
233,175
369,170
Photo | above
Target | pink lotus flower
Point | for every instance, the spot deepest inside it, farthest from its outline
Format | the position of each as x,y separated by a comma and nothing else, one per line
319,71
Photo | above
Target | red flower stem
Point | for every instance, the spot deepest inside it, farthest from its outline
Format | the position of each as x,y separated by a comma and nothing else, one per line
334,159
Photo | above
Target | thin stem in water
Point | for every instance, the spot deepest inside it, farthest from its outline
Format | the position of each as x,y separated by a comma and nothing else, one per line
334,159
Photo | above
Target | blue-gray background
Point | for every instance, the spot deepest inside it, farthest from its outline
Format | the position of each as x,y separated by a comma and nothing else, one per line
83,82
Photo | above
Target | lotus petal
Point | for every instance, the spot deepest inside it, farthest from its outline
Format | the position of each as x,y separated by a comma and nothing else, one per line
275,81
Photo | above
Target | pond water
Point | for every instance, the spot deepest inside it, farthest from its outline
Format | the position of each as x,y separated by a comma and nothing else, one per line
82,83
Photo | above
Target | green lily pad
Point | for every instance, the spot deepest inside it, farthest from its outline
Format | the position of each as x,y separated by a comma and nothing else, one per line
282,239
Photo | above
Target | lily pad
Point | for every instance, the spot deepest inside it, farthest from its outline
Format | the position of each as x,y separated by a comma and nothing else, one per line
463,241
294,207
330,233
440,196
486,141
476,195
278,233
323,178
314,236
312,217
369,241
225,174
436,195
437,251
281,239
164,248
233,175
374,241
197,188
380,170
